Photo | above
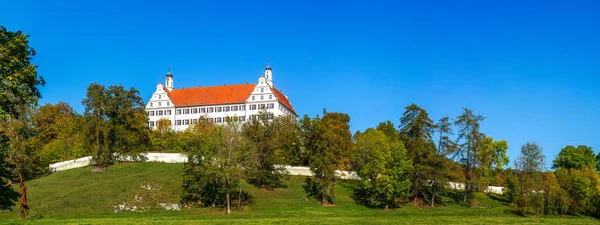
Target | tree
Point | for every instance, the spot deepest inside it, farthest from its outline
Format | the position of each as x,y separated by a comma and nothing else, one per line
491,158
327,140
571,157
19,84
416,130
384,170
115,122
471,137
530,166
445,147
228,160
261,134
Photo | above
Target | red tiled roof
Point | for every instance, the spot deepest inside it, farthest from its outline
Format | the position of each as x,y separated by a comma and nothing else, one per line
211,95
219,95
283,100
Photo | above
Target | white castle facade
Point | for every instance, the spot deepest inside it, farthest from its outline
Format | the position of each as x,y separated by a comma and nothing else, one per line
183,107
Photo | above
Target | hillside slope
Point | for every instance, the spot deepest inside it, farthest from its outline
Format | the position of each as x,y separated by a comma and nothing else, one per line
80,196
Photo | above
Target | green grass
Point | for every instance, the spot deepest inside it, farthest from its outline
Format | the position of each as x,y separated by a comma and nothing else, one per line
81,197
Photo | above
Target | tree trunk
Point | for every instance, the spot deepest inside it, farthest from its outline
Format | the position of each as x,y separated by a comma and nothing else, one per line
433,189
227,197
240,199
323,197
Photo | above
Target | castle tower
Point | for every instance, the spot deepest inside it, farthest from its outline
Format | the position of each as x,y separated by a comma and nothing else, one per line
169,80
268,74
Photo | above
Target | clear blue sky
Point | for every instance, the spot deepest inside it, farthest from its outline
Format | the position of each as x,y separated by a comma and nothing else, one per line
530,67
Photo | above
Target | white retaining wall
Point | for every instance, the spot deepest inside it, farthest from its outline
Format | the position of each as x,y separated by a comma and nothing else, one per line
181,158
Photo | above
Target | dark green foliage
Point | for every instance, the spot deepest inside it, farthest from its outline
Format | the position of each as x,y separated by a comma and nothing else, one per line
115,122
468,149
327,140
314,189
261,135
19,83
416,130
7,195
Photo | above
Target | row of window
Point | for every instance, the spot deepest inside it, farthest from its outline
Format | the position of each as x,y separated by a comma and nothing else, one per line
233,108
212,109
214,120
262,97
160,104
159,112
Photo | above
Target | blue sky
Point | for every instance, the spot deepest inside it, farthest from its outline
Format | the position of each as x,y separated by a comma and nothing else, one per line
530,67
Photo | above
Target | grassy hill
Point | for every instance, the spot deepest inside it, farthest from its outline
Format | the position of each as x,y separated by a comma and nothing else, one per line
82,197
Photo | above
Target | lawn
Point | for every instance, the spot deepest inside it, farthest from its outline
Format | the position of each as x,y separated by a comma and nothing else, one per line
81,197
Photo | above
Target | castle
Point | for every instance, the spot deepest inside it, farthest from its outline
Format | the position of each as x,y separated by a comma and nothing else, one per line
181,108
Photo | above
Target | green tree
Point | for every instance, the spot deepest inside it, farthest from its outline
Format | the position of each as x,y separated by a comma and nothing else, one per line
445,146
261,134
327,141
491,157
383,167
468,132
115,122
571,157
416,130
19,84
530,166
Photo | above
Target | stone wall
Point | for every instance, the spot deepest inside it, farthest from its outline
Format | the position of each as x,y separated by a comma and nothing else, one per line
181,158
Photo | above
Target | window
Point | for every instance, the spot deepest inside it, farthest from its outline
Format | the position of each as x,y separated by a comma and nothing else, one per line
217,109
186,122
234,108
252,100
210,109
151,103
186,111
150,113
210,120
226,109
242,107
219,120
159,103
178,112
252,107
177,122
168,103
194,121
159,113
270,96
194,110
270,105
151,123
159,96
242,118
202,110
168,112
261,106
262,89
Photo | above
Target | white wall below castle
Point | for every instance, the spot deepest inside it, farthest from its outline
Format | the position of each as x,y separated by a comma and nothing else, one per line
181,158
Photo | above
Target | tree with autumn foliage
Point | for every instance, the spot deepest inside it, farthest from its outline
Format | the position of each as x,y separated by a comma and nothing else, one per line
327,140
